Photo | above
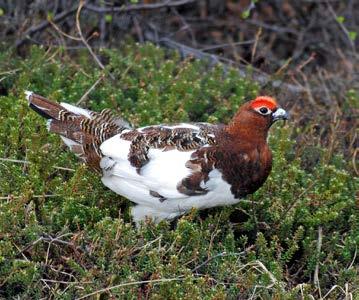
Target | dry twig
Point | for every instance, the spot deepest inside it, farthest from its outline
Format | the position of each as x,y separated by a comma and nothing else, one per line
133,7
25,162
79,30
34,196
84,96
222,254
342,27
130,284
316,271
43,25
186,51
254,49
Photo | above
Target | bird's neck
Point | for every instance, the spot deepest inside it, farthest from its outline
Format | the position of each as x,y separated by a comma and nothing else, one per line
251,131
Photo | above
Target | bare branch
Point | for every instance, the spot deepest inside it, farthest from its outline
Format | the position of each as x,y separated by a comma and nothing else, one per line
316,272
222,254
79,30
43,25
25,162
261,78
34,196
84,96
221,46
133,7
342,27
129,284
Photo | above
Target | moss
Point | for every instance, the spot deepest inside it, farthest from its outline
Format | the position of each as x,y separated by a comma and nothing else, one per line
63,233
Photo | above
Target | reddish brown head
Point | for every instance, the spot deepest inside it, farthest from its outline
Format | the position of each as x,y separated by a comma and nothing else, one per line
255,117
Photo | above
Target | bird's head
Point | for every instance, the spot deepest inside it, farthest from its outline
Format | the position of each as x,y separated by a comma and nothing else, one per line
266,109
256,116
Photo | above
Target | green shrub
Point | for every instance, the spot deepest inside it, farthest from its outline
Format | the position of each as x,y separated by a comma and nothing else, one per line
64,235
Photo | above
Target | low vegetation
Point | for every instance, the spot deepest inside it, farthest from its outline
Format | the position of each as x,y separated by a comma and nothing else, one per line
63,235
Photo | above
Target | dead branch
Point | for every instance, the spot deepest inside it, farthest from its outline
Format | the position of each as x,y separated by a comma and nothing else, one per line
84,96
25,162
186,51
134,7
222,254
342,27
316,272
221,46
78,26
34,196
61,16
131,283
43,25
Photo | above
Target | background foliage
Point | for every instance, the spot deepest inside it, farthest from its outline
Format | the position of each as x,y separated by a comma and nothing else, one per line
63,235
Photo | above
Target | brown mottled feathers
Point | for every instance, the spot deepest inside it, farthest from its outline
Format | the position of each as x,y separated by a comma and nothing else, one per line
167,137
85,129
201,163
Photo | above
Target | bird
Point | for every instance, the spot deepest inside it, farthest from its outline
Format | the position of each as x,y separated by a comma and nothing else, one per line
167,170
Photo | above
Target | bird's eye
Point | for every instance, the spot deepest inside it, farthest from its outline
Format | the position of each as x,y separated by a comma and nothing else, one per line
263,110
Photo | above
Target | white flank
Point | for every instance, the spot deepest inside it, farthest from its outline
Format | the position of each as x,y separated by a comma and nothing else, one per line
28,95
76,110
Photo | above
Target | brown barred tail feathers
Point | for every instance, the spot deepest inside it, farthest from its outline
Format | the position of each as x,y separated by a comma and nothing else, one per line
83,131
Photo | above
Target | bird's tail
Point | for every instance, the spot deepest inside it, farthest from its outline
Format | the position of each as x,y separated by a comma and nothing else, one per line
83,131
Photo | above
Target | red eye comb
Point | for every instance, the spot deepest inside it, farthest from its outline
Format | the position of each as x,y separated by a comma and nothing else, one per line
266,101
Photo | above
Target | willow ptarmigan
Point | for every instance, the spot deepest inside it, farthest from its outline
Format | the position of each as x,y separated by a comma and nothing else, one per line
169,169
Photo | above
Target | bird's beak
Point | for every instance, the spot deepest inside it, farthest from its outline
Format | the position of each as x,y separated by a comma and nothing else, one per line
280,114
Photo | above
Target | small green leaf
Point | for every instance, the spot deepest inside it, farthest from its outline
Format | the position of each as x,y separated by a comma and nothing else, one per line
2,12
245,14
50,15
108,18
340,19
353,35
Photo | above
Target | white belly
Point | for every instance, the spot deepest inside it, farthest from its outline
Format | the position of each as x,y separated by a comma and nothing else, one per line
218,194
